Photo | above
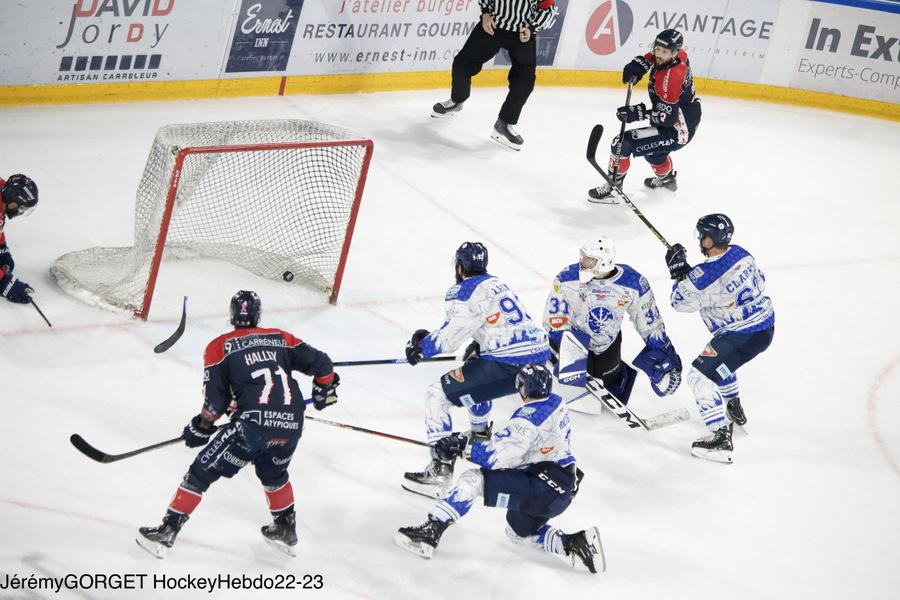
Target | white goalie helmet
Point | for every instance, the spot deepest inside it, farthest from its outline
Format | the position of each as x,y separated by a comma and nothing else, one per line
598,257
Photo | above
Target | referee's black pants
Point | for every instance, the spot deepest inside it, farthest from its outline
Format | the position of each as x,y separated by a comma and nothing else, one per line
480,48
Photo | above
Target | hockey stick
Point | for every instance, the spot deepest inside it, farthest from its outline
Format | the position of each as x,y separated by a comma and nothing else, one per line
40,312
170,341
388,361
94,454
390,436
596,387
593,142
621,132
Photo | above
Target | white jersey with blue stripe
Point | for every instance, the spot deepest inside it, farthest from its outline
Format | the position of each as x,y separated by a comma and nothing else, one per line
598,307
538,431
486,309
727,291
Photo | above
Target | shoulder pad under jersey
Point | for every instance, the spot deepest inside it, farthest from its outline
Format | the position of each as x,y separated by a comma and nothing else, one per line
463,291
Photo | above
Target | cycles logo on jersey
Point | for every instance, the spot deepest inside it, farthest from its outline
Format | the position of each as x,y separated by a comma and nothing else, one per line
599,318
609,27
263,35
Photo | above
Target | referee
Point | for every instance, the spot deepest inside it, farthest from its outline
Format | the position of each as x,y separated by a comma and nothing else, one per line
508,24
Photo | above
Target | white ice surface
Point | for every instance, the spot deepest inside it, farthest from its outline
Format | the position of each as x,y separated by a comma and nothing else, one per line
809,509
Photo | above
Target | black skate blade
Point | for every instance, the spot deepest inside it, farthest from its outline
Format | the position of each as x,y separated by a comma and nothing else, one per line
418,548
423,489
500,139
722,456
282,547
154,548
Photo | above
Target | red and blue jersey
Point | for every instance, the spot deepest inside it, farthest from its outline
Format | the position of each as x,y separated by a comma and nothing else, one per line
248,371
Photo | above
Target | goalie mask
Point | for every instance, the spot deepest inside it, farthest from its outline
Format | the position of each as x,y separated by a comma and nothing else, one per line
598,258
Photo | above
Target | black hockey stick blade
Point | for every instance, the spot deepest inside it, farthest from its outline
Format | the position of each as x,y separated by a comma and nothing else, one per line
593,144
170,341
98,455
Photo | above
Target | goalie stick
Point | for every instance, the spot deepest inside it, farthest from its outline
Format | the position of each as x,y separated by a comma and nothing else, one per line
599,391
593,143
170,341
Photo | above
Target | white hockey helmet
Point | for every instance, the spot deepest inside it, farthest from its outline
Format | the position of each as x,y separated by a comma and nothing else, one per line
598,257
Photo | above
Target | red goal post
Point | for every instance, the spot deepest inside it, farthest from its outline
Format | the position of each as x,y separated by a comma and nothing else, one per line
279,198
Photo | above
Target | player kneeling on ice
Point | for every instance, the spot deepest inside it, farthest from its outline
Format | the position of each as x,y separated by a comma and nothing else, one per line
527,468
482,307
727,291
674,115
18,197
248,374
584,315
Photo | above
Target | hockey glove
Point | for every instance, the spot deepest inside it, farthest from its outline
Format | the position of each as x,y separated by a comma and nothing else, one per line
14,289
325,394
676,260
472,352
197,433
414,347
632,112
662,366
6,259
451,447
635,69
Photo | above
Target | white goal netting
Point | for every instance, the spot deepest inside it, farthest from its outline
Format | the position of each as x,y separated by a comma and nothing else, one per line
273,197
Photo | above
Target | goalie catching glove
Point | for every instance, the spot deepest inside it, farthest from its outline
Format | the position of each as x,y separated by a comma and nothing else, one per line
662,366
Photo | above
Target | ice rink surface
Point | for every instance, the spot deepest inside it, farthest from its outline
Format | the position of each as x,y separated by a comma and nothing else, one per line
809,509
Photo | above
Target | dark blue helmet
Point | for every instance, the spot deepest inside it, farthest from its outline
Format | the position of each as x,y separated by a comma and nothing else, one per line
670,39
472,257
20,191
246,309
536,380
718,227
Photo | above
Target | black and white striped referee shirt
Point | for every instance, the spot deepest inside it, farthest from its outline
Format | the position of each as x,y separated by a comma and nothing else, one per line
512,15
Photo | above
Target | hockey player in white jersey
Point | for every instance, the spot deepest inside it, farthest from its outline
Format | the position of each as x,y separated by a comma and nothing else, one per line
482,307
528,469
590,299
727,291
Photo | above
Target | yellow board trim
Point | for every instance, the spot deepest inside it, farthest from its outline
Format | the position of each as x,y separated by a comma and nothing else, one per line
382,82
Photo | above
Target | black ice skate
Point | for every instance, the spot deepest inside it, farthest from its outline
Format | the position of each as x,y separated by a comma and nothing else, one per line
603,194
506,135
157,540
282,533
422,539
667,182
435,481
716,447
736,412
584,550
445,109
481,436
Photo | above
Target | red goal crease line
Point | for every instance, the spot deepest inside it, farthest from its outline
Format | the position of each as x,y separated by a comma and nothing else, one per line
173,191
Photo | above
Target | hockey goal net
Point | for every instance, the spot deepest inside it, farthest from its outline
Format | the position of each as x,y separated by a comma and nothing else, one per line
278,197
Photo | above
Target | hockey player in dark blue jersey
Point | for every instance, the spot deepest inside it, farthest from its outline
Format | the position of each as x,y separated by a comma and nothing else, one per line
674,115
728,292
18,197
248,376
